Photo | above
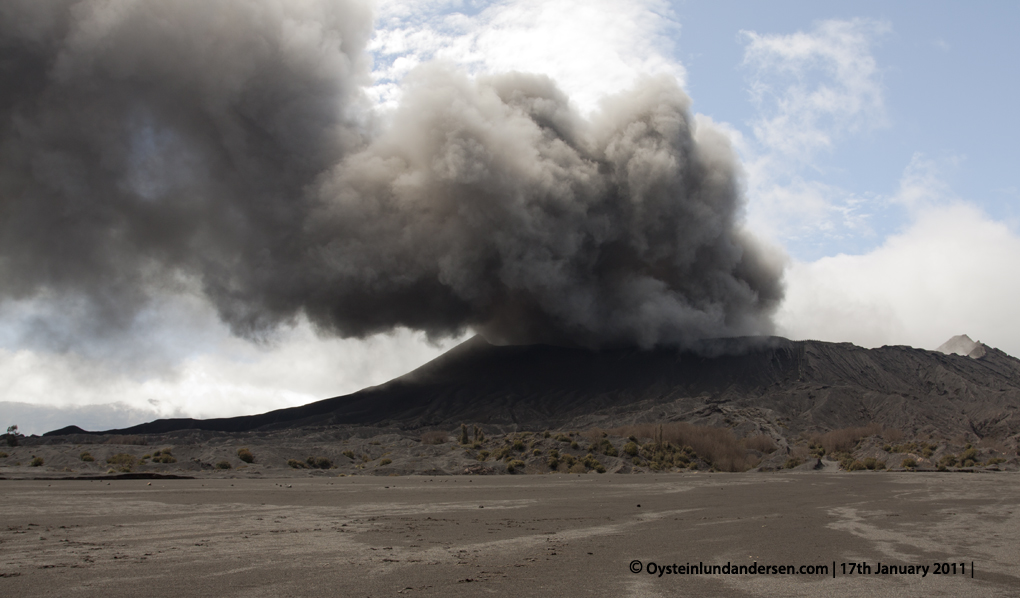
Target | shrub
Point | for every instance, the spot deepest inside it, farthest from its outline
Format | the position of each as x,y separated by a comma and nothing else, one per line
793,462
36,461
871,463
717,446
631,448
385,462
245,455
546,434
12,436
482,455
349,454
578,468
636,460
3,455
574,445
995,461
971,454
163,456
968,463
856,465
86,456
553,462
514,465
297,464
536,452
122,461
223,464
947,460
518,445
434,437
908,464
319,462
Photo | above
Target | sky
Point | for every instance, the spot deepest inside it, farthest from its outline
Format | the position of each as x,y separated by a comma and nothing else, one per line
877,142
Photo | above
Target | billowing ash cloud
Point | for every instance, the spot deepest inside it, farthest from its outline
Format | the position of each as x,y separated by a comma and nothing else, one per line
147,146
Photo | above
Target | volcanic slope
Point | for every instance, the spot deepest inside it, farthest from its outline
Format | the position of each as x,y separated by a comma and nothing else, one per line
769,385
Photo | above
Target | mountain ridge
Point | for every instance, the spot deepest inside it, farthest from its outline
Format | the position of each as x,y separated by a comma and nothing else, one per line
755,385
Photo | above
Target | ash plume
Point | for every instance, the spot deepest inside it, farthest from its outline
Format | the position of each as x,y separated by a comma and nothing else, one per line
229,146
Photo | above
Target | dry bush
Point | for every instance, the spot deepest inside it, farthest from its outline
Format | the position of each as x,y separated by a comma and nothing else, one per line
992,444
434,437
892,435
759,442
717,446
844,439
135,440
245,455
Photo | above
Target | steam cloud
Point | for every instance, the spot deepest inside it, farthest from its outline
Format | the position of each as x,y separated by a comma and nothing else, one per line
147,146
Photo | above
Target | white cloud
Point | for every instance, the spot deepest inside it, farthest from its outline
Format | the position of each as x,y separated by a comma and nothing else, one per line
811,89
813,86
953,271
225,378
921,186
590,47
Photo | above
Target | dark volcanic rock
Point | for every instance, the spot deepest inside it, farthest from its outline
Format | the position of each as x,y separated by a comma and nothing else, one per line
764,384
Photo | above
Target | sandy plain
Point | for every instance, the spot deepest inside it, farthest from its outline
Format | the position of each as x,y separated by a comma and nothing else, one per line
536,535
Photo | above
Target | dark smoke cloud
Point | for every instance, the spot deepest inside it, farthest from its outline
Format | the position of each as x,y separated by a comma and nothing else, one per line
149,147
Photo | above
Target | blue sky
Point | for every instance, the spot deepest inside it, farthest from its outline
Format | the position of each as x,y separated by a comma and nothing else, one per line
878,142
947,74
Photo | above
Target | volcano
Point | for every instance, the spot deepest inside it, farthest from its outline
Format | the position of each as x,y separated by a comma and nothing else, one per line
754,385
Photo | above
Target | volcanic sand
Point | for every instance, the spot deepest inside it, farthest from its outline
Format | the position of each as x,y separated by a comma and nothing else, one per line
541,535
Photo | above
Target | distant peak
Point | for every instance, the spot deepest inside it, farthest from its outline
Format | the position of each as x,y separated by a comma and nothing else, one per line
962,344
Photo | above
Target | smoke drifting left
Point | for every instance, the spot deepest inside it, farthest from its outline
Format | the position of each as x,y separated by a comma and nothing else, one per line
146,146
